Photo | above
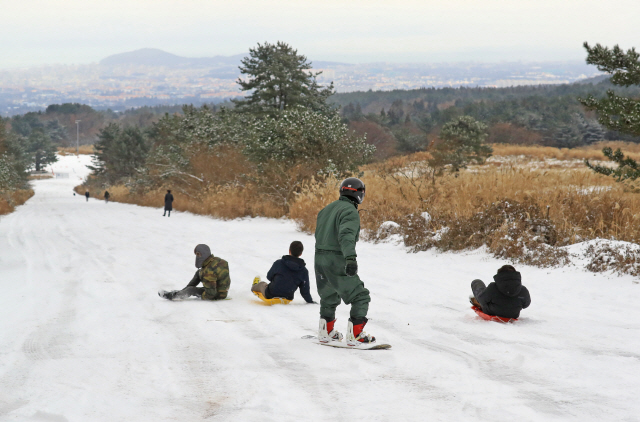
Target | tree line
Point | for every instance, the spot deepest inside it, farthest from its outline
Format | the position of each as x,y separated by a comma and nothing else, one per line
280,136
551,115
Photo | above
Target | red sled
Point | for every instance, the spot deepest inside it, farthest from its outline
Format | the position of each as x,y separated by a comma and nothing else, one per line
492,317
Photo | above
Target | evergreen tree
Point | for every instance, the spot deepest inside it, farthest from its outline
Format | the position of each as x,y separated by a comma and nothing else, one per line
628,169
462,143
40,149
396,112
13,161
616,112
57,133
119,153
567,136
278,78
299,146
23,125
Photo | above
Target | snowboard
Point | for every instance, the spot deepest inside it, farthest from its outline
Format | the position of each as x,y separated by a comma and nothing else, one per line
344,345
161,293
492,317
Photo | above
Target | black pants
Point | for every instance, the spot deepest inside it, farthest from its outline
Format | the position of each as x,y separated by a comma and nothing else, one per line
167,211
477,287
189,291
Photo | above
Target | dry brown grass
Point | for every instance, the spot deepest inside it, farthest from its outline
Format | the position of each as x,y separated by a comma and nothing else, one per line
534,209
519,212
82,150
590,152
40,176
225,203
10,200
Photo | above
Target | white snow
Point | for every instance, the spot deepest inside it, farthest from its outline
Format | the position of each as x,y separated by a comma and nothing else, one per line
84,337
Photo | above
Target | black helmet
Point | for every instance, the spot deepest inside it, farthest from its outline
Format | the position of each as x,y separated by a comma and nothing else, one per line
353,188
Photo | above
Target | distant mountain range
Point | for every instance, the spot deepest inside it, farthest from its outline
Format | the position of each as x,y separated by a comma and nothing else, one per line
159,58
156,57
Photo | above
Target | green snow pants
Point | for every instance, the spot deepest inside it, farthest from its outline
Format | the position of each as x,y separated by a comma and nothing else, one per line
334,284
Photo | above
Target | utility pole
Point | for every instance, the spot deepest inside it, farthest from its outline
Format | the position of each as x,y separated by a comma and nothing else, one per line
77,135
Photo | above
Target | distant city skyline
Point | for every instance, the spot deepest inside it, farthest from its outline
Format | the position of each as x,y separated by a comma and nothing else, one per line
44,32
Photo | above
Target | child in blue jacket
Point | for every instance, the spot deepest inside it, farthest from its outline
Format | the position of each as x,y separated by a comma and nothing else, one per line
287,275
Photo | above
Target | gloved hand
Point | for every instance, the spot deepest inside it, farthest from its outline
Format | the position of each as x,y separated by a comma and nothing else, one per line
352,267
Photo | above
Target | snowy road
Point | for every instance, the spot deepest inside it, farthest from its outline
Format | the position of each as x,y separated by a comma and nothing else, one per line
84,337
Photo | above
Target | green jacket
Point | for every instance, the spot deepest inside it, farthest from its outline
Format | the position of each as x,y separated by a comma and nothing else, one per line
338,227
215,279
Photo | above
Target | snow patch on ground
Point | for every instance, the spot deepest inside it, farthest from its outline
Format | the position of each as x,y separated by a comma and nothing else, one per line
84,336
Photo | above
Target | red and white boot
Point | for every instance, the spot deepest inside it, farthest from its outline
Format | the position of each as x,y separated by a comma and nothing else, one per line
327,333
355,334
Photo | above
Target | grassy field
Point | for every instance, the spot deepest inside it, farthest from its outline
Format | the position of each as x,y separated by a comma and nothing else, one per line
10,200
533,195
84,150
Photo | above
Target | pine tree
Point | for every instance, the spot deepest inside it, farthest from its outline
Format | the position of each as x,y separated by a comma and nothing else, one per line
278,78
119,152
462,143
13,161
616,112
40,149
628,169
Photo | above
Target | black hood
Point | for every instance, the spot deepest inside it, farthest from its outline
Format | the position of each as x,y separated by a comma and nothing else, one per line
293,263
205,253
508,283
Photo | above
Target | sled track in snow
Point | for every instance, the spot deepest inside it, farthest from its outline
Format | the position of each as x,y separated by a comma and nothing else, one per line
84,329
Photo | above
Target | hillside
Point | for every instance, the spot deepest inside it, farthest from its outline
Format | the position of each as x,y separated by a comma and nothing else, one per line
85,337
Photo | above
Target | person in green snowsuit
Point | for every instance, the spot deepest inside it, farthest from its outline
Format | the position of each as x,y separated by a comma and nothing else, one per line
336,268
213,273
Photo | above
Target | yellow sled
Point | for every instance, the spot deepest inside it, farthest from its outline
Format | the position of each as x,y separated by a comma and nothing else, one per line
273,301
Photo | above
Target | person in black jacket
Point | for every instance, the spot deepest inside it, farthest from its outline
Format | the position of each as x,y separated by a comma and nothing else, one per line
168,201
505,297
286,276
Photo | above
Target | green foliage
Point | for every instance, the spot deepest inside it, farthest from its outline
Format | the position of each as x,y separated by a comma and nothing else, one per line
278,78
462,143
301,135
23,125
68,108
56,132
40,149
628,169
552,112
409,138
13,161
120,153
616,112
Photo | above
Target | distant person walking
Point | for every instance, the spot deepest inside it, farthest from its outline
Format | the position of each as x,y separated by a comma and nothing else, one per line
106,197
86,194
168,201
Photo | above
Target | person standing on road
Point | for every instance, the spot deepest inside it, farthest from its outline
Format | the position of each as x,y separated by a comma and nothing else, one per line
106,196
213,273
86,194
168,203
336,268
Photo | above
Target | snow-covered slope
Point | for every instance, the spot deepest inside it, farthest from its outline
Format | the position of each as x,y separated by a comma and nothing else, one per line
84,337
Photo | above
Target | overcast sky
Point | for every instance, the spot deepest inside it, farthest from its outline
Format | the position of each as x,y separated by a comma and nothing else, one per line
36,32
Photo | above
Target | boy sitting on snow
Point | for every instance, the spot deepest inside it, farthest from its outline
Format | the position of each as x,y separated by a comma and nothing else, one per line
213,273
505,297
286,276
